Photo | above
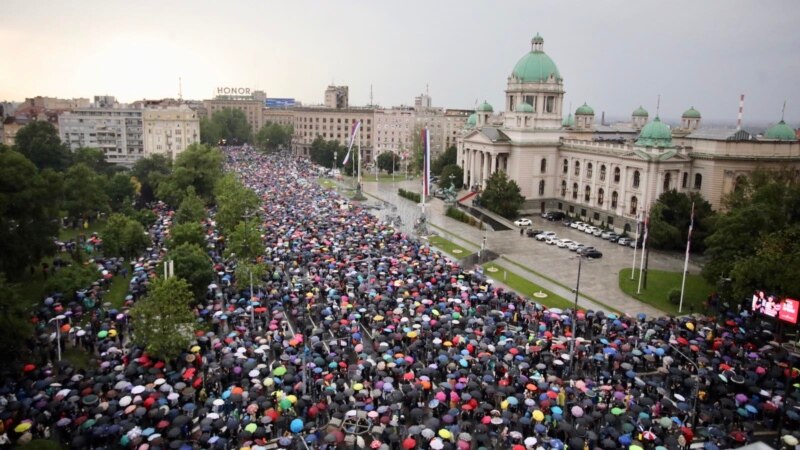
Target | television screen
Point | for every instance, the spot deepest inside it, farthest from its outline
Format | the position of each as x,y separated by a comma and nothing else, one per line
788,311
768,305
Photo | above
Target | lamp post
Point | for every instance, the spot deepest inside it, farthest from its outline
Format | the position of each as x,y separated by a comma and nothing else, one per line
696,384
57,319
574,317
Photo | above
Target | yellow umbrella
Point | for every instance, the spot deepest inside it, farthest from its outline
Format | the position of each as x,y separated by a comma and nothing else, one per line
195,349
358,387
445,434
377,318
538,416
412,334
22,427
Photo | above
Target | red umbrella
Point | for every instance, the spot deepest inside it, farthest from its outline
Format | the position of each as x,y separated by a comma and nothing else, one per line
409,443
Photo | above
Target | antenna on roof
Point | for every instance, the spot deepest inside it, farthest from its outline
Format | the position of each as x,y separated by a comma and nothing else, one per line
370,94
658,105
741,110
180,89
783,111
427,92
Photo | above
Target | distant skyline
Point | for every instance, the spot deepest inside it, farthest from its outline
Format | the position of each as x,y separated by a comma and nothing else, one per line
614,55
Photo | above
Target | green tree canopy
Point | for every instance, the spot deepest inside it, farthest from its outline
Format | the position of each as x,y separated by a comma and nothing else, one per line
228,124
84,192
199,166
449,157
193,265
29,211
149,172
324,152
502,195
94,158
234,201
243,271
39,142
15,325
192,208
772,267
245,241
186,233
163,321
71,279
388,161
273,136
456,172
120,189
124,236
670,217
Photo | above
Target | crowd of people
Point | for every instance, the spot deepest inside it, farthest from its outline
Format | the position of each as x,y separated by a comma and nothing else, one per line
361,336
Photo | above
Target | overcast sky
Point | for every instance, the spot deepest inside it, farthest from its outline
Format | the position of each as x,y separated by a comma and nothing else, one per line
614,55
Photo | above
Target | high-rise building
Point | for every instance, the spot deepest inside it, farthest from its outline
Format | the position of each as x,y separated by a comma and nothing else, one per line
332,125
250,103
169,130
337,97
116,131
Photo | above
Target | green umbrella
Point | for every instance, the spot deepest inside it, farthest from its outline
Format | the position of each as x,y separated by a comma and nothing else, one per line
617,411
665,422
635,447
285,403
102,334
279,371
251,427
88,424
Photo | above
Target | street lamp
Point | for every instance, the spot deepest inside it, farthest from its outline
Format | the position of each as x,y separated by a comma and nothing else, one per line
57,319
574,317
696,384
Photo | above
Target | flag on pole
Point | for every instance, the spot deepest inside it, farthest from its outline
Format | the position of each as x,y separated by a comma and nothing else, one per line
426,162
356,126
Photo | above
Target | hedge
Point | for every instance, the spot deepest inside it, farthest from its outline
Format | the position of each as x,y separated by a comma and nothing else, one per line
413,196
461,216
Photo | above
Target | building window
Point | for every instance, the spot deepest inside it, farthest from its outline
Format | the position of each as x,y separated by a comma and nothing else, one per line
563,188
685,181
635,179
543,166
587,193
577,168
597,216
634,205
603,172
600,196
583,212
667,179
589,170
575,191
698,181
616,175
541,187
571,209
566,166
610,220
614,198
549,104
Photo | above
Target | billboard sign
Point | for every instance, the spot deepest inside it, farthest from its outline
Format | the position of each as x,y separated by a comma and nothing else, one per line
279,102
233,91
788,312
772,306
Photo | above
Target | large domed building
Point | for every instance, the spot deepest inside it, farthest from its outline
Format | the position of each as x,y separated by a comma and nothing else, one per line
607,173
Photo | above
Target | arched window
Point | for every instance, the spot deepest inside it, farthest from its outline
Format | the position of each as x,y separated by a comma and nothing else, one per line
685,181
589,170
667,180
543,166
616,175
577,168
698,181
634,205
614,199
600,196
541,187
635,179
740,183
587,193
575,191
563,188
603,172
566,166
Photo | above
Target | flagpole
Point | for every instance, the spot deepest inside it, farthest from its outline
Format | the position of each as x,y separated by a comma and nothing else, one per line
686,259
638,232
644,247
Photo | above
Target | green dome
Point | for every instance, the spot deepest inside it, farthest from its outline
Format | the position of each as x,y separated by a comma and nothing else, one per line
524,108
485,107
640,112
536,66
691,113
585,110
569,121
472,120
655,134
781,132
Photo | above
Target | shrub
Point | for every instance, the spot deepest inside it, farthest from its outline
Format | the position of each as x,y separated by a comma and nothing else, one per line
461,216
674,296
413,196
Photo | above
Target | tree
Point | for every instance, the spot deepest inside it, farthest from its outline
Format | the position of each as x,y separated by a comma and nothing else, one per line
272,137
457,176
772,267
199,166
94,158
245,241
449,157
124,236
186,233
29,211
670,217
163,321
502,195
148,173
14,324
192,208
68,280
388,161
193,265
39,142
84,192
120,189
324,152
234,201
228,124
243,271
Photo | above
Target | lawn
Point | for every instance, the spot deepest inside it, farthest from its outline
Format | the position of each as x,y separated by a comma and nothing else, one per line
660,282
449,247
66,234
79,358
326,183
118,290
382,178
525,287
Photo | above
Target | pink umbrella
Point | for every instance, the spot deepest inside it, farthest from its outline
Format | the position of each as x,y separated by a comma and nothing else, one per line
441,396
577,411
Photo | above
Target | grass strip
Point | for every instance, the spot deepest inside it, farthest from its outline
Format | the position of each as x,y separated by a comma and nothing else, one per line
660,283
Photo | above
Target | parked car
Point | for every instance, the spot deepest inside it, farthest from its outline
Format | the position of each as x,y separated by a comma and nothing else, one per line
593,254
531,232
624,241
606,235
597,233
566,222
590,229
574,246
563,243
544,235
551,240
577,224
523,222
586,249
614,237
554,215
